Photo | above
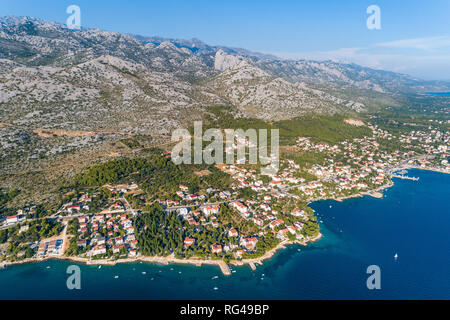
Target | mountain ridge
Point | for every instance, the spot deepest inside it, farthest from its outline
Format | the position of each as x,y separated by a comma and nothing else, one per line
91,79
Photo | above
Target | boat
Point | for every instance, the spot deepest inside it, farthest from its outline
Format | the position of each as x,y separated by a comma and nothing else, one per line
215,288
215,277
396,256
116,277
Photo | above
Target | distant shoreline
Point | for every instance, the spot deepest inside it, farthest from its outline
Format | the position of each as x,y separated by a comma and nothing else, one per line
224,267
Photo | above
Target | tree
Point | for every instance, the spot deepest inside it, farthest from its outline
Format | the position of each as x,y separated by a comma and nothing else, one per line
3,236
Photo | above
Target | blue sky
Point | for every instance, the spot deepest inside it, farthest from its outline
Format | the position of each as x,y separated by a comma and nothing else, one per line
414,36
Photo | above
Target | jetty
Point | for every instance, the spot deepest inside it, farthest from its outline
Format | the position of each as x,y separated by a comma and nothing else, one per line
225,268
374,194
404,177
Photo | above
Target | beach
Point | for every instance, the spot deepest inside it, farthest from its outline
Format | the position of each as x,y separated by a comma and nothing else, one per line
356,234
171,259
224,267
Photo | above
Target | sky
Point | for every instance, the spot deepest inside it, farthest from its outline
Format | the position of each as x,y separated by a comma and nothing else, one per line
414,37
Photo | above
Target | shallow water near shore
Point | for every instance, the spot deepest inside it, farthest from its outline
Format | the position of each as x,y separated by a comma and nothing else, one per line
412,220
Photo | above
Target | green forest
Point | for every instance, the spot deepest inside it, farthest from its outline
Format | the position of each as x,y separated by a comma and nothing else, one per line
320,128
156,175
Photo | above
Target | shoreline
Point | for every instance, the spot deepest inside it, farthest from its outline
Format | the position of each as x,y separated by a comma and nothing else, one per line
224,267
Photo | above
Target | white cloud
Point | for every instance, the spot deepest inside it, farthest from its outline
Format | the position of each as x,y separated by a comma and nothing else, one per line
427,58
419,43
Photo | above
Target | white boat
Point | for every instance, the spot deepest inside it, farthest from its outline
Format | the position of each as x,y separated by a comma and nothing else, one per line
396,256
215,288
116,277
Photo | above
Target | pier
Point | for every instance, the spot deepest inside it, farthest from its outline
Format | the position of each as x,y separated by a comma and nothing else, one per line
225,268
404,177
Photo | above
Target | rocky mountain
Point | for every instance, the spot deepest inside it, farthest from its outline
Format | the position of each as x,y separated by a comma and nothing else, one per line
71,98
55,78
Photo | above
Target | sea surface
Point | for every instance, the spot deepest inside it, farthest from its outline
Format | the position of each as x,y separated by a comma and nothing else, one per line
441,94
412,220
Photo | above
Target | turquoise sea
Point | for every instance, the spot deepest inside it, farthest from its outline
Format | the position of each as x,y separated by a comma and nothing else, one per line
412,220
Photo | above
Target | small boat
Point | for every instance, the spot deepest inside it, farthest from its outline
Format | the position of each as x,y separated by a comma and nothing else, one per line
116,277
216,277
396,256
144,272
215,288
99,267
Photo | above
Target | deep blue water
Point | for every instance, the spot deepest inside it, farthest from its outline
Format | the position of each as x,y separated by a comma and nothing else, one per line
413,220
445,94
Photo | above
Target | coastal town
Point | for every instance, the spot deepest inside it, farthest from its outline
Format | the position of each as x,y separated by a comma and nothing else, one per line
242,224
